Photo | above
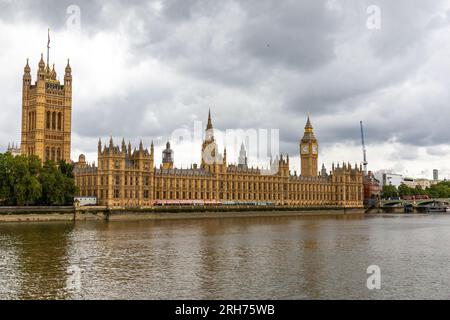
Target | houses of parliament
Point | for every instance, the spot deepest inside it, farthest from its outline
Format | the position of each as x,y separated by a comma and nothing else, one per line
127,177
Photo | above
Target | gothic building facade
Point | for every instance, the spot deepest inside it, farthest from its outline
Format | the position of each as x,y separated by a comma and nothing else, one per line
46,113
128,178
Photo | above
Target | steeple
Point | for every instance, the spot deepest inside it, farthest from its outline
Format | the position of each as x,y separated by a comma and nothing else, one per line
209,132
308,126
242,161
209,125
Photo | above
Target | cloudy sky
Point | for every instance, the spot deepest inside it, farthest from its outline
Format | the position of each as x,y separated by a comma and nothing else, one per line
147,68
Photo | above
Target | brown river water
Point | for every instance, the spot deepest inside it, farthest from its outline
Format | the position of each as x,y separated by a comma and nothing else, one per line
231,258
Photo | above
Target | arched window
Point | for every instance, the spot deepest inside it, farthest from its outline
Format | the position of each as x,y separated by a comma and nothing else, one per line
53,120
59,121
47,154
58,154
47,120
53,154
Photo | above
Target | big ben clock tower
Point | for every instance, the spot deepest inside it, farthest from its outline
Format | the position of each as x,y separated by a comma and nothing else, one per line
309,152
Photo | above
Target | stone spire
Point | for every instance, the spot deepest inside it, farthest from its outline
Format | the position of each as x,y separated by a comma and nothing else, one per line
209,125
242,161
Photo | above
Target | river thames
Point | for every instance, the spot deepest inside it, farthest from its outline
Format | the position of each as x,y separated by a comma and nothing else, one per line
242,258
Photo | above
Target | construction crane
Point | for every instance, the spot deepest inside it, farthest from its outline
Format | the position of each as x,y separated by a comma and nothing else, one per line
364,148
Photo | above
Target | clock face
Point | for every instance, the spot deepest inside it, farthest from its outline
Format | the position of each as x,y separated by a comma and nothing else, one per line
305,148
314,148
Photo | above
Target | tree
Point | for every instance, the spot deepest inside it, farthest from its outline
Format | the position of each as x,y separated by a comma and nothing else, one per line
389,191
404,190
418,190
24,181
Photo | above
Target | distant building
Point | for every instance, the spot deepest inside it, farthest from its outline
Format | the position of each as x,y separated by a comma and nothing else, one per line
424,183
13,149
372,189
435,174
392,179
410,182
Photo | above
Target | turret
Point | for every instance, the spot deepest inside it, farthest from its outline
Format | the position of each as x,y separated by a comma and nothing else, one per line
323,172
41,69
99,146
68,75
167,157
27,75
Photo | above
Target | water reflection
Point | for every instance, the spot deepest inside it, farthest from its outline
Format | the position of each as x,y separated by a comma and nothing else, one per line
39,263
255,258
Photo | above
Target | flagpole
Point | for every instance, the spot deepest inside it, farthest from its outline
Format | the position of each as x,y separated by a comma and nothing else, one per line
48,49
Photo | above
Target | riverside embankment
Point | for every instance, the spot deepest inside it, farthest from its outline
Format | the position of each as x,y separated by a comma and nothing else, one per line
35,214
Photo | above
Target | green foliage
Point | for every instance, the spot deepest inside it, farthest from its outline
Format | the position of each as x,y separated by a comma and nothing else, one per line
404,190
25,181
389,191
439,190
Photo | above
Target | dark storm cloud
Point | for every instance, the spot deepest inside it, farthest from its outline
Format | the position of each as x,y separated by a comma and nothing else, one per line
262,63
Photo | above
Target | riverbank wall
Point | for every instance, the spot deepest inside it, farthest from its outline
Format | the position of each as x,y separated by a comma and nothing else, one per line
35,214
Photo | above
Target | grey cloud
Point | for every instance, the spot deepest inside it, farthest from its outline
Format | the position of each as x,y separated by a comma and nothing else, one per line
262,63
